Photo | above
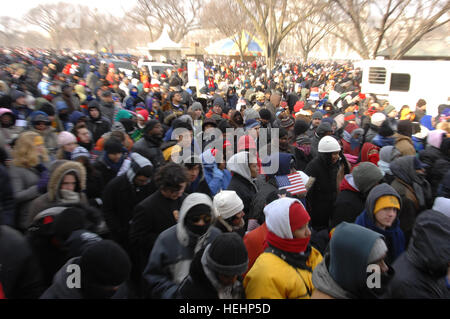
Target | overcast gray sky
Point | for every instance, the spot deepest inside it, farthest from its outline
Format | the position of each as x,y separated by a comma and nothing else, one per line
17,8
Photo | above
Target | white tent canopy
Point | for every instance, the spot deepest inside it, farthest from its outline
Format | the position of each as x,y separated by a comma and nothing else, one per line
164,42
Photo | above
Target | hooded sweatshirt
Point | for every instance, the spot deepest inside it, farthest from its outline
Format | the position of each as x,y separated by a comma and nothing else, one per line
175,249
394,237
343,273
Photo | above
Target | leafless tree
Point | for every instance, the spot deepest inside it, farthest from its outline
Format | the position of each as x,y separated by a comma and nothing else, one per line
367,26
275,19
228,17
8,31
181,16
310,32
52,18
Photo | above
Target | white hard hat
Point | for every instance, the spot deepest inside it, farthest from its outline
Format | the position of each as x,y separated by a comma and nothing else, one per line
328,144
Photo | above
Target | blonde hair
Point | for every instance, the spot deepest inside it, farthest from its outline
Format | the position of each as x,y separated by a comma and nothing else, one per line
443,126
25,153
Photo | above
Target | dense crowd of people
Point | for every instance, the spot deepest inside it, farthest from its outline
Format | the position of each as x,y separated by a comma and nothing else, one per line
287,183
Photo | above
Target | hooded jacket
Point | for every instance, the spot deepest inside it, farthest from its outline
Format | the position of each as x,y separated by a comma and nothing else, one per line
53,195
241,181
394,237
98,126
421,271
120,198
404,144
343,272
414,190
174,250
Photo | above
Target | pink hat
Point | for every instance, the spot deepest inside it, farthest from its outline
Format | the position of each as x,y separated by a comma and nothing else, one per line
435,138
65,138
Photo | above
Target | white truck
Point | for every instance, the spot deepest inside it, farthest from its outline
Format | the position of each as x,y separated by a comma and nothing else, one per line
404,82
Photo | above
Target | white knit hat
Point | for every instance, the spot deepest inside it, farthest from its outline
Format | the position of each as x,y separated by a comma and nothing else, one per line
377,119
328,144
65,138
227,204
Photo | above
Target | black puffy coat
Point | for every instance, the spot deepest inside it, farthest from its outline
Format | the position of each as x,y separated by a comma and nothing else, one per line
149,147
421,270
20,275
322,195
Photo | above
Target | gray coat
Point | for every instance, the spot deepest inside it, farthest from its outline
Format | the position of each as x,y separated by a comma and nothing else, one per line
24,182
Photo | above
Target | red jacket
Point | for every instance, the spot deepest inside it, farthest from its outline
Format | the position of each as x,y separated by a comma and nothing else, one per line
254,242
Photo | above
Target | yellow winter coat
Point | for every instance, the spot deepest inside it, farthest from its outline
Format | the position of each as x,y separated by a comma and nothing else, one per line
273,278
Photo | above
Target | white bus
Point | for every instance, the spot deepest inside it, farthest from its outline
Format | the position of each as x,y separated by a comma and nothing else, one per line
404,82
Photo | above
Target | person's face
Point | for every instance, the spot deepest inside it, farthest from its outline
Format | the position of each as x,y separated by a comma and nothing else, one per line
193,173
254,132
253,170
382,265
174,194
303,232
393,114
70,147
6,120
316,122
115,158
386,216
21,101
177,98
157,130
217,109
84,135
69,183
140,180
227,280
335,157
185,139
264,122
283,141
94,113
197,114
239,219
40,126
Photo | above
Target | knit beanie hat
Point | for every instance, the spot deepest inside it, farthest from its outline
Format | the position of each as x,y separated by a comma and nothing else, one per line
196,106
68,221
404,127
265,114
385,129
65,138
282,132
388,109
251,124
113,146
48,109
227,203
300,127
105,263
387,201
251,114
377,119
389,153
317,115
287,122
435,138
80,152
298,216
226,255
366,175
219,102
379,250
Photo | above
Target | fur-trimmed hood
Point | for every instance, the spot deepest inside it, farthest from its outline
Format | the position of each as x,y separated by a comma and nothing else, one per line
58,170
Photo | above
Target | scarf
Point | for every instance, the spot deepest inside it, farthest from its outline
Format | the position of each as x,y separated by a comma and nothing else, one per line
294,245
114,166
68,196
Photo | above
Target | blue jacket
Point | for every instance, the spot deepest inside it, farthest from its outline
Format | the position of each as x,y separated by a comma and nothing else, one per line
216,178
381,141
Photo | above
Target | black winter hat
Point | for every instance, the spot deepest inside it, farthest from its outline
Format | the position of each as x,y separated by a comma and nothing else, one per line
223,125
282,132
265,114
48,109
113,146
105,263
404,127
150,125
300,127
444,187
385,129
93,104
219,102
226,255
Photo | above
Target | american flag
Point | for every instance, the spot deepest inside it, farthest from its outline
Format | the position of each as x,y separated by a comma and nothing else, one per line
292,183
